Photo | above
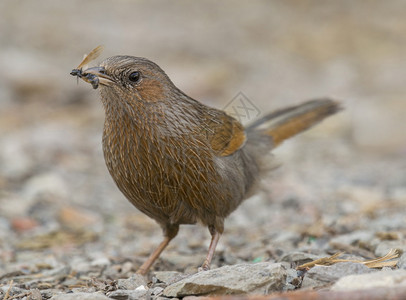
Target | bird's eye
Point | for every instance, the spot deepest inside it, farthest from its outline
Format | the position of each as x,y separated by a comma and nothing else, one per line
134,76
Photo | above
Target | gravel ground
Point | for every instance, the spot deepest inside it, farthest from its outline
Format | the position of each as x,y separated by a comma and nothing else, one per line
66,232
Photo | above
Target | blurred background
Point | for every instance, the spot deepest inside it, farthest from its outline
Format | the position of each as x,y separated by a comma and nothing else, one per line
276,53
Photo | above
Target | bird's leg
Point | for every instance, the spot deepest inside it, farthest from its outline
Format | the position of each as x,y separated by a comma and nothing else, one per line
170,231
215,236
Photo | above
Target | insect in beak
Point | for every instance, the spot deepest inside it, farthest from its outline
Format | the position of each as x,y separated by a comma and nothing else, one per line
89,77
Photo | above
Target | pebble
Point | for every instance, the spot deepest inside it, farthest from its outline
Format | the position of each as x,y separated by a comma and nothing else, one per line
168,277
21,164
22,224
134,282
293,280
73,217
353,237
128,294
157,290
35,294
100,262
402,261
385,246
46,185
80,296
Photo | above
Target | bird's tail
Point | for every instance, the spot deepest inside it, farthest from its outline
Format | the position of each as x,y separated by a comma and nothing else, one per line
285,123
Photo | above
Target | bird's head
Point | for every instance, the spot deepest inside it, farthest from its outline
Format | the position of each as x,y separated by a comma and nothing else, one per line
129,77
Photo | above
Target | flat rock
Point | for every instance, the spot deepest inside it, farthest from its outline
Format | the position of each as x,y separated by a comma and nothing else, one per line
324,275
260,278
387,278
80,296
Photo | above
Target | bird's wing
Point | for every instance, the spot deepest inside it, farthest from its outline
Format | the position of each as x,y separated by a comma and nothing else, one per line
224,133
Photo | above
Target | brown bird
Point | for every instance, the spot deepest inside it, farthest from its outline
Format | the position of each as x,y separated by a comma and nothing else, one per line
178,160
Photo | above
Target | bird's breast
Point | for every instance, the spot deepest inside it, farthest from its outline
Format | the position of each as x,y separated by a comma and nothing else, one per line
167,177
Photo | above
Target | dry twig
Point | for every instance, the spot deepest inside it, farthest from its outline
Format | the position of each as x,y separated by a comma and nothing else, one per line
380,262
8,290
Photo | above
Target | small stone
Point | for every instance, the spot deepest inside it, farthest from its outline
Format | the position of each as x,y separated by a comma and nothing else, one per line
157,290
394,223
128,294
372,280
353,237
126,267
35,294
100,262
58,272
45,185
293,279
73,217
286,237
385,246
80,296
80,264
402,262
132,283
323,275
168,277
21,224
21,163
260,278
48,293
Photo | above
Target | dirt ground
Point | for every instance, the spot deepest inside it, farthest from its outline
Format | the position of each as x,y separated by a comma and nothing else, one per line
341,186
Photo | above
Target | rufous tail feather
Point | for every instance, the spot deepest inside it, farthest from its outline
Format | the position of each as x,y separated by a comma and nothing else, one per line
285,123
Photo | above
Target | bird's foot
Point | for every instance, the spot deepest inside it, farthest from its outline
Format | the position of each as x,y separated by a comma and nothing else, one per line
205,267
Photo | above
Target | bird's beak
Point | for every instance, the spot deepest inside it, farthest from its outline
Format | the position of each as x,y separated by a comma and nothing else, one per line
96,76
